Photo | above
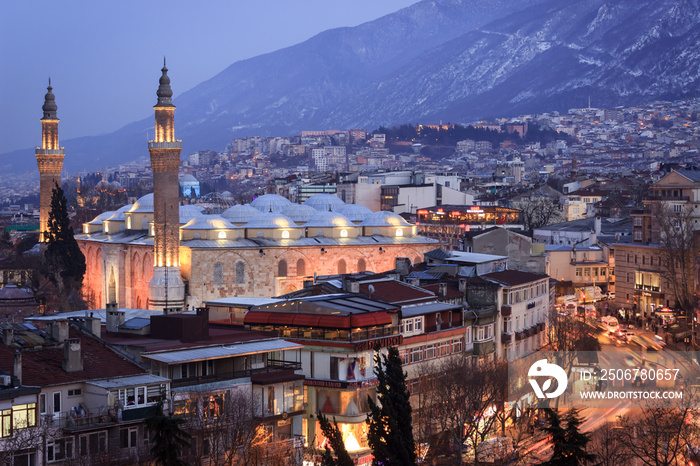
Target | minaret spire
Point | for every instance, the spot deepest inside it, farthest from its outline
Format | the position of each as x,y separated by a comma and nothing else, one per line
166,288
49,159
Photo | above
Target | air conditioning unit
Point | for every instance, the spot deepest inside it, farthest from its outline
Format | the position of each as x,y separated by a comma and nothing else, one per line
5,380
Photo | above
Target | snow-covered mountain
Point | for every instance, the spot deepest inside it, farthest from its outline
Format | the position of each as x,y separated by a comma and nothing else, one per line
438,60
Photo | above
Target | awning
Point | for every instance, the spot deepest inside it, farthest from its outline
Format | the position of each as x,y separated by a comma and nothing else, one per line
370,319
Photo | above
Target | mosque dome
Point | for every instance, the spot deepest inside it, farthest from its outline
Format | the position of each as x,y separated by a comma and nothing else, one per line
103,216
384,218
188,179
270,220
270,202
118,215
188,212
240,213
324,202
143,204
328,220
300,213
354,212
207,222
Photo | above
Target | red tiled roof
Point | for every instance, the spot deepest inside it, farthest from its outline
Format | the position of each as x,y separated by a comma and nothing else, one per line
395,292
514,277
43,367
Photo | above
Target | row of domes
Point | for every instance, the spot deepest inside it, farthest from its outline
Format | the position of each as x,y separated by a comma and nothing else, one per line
267,212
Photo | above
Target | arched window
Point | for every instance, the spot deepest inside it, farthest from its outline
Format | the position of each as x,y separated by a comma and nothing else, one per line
138,302
301,267
240,272
361,266
282,268
112,289
218,273
341,266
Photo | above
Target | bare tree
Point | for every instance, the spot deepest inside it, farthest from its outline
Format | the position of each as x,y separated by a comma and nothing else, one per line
660,434
676,235
609,444
539,212
457,401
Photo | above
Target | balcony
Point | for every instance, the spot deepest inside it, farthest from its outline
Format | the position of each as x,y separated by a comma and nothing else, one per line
506,311
638,286
70,420
273,366
506,337
336,335
519,336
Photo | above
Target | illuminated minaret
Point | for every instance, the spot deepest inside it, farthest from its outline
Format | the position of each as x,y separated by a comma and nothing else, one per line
166,289
49,158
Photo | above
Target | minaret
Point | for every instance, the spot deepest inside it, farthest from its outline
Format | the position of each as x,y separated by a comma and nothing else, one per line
49,158
166,289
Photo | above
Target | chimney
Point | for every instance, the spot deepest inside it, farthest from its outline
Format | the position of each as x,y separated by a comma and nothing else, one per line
403,265
352,286
59,330
115,318
8,334
18,367
72,357
463,285
596,225
93,324
442,289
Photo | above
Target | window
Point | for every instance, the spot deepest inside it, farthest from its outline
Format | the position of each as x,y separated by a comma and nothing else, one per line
595,271
408,325
6,421
282,268
23,416
127,437
218,273
456,346
578,271
468,336
93,444
301,267
430,351
404,356
638,236
416,354
334,368
285,234
240,272
341,267
42,403
638,221
443,348
75,392
507,325
418,324
57,402
361,265
677,208
58,450
586,272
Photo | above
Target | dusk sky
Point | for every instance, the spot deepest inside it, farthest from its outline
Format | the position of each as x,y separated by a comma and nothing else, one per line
104,58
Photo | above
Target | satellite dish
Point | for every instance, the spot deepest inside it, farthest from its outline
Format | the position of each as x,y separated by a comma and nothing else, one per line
371,290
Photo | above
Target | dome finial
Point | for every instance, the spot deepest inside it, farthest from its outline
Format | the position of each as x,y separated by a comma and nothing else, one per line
164,93
50,108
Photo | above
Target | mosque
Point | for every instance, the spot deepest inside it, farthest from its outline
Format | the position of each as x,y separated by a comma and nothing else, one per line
157,254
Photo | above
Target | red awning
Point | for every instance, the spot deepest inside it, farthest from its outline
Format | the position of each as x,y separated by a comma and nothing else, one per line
317,320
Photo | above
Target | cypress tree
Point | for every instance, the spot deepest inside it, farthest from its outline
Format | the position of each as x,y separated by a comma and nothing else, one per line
569,443
64,262
335,438
169,438
390,434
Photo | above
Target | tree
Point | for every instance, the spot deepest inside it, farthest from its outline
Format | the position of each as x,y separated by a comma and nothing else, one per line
457,395
390,433
676,240
608,443
64,262
569,442
169,438
538,212
335,438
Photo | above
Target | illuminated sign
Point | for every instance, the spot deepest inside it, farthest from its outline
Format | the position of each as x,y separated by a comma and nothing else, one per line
381,342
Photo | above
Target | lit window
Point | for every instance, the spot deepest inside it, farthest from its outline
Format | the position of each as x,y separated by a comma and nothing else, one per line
343,233
222,235
128,223
399,232
285,234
